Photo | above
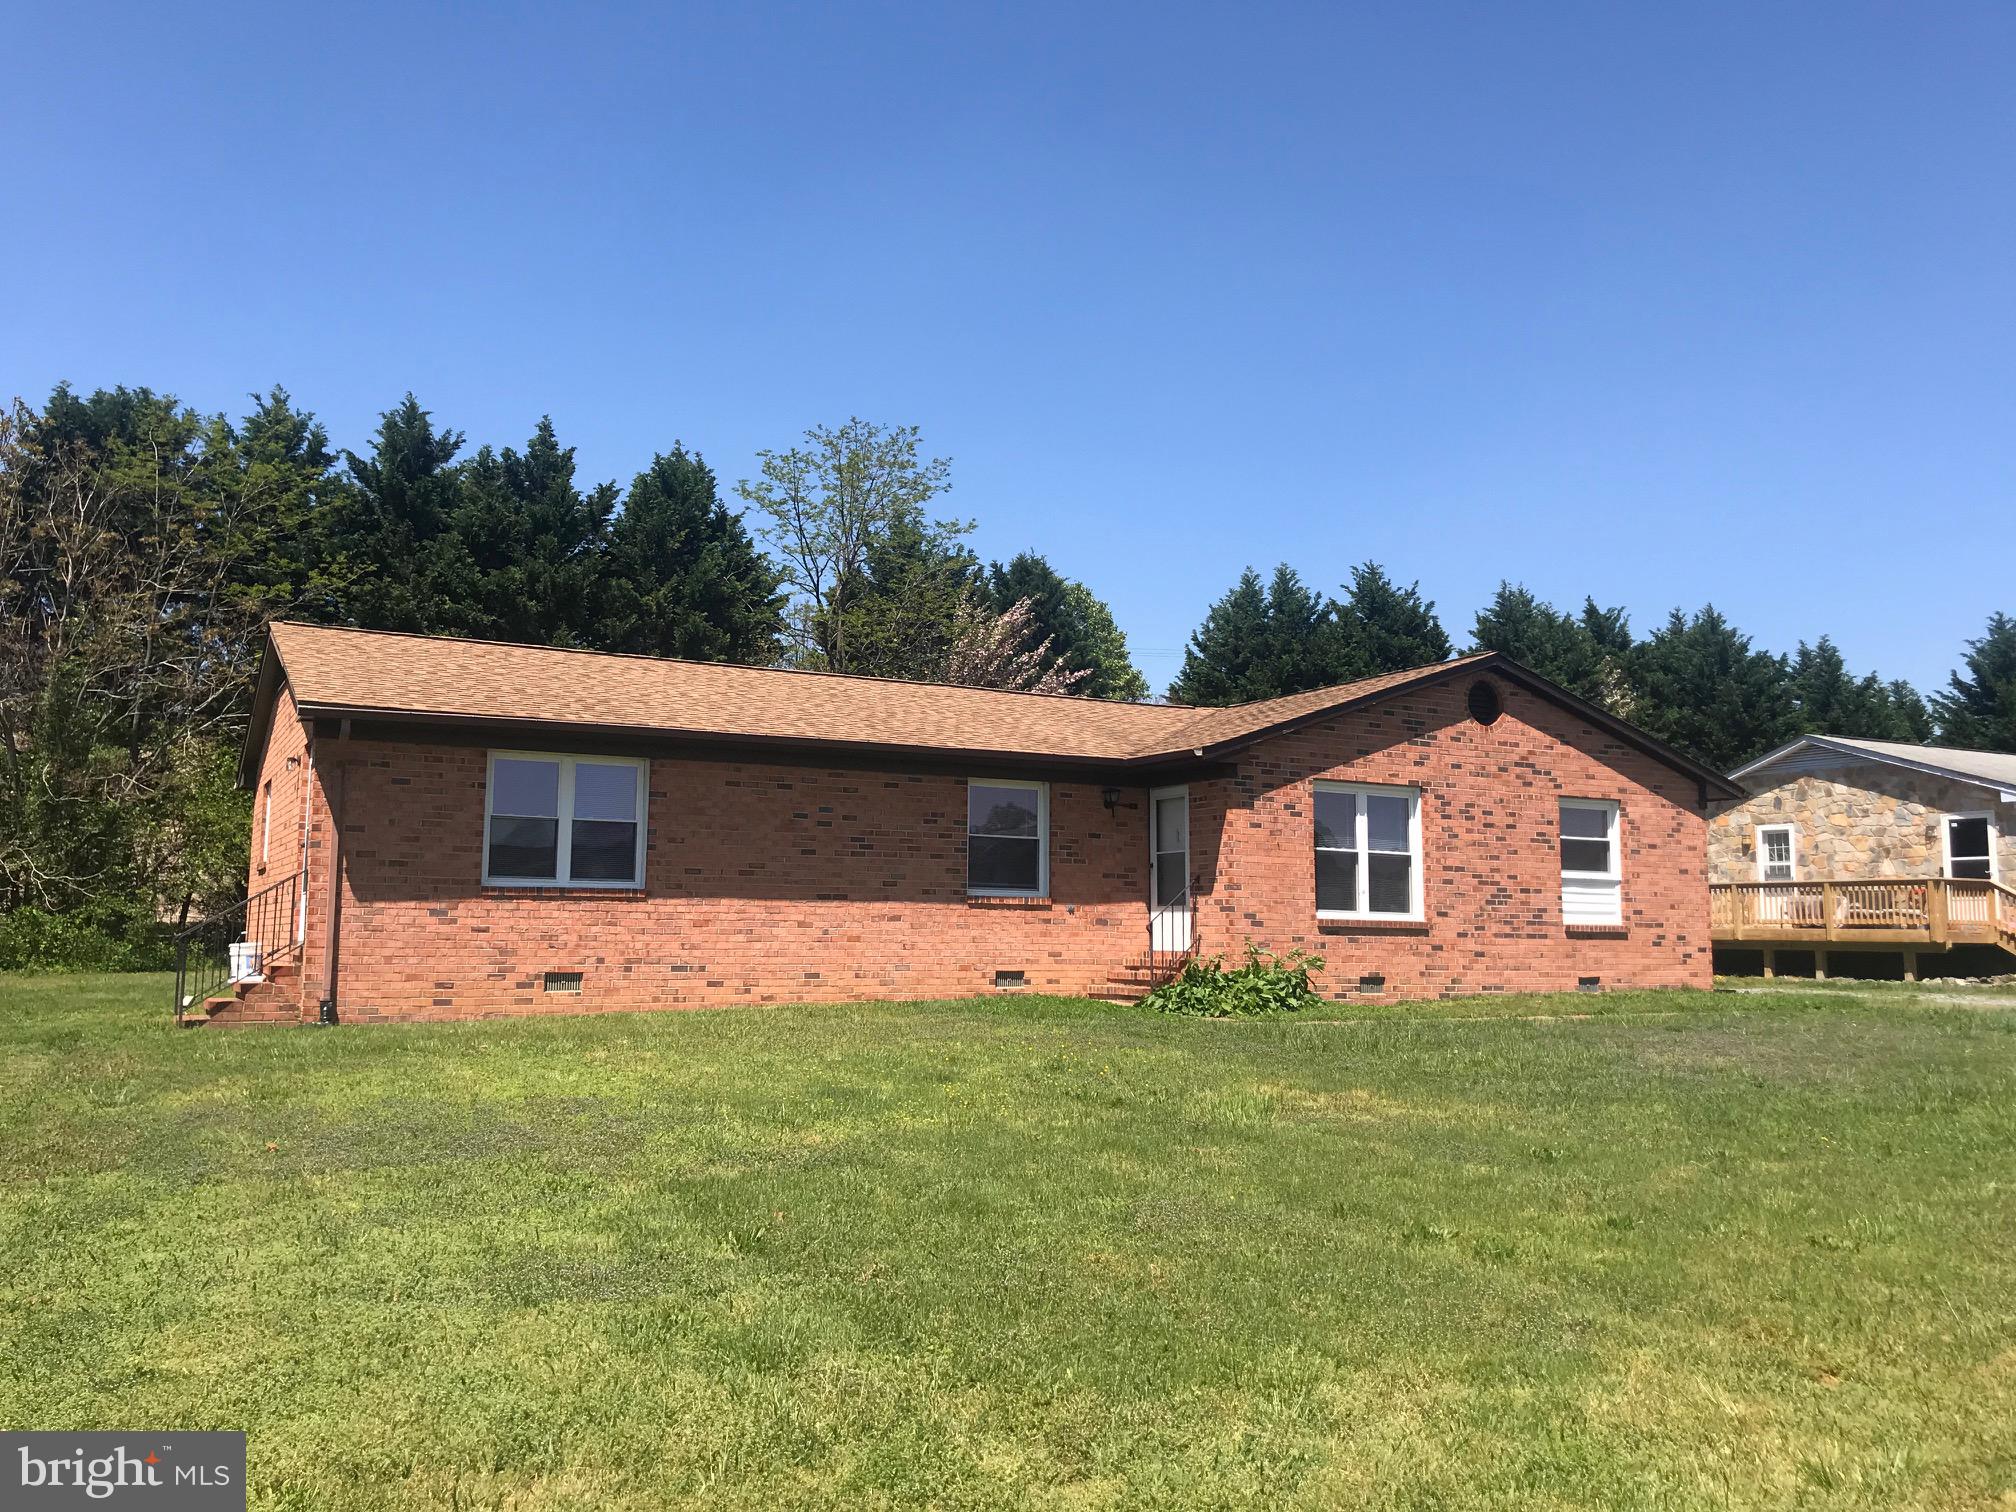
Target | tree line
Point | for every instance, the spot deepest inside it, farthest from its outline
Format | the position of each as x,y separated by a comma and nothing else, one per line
1695,681
144,546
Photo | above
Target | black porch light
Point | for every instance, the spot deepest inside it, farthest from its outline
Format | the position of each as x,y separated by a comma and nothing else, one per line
1110,797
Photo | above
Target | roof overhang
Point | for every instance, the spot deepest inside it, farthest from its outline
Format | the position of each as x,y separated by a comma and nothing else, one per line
1513,672
265,694
1167,765
362,723
1848,751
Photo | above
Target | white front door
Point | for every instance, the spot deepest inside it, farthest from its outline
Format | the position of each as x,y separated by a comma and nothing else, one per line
1169,869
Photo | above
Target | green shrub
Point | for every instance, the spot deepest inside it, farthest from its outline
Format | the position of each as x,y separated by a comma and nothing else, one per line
107,937
1267,984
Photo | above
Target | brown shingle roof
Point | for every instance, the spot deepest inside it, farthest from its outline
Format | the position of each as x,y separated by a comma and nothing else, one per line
436,679
360,671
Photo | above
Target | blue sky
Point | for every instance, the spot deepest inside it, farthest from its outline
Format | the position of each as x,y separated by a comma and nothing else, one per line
1666,304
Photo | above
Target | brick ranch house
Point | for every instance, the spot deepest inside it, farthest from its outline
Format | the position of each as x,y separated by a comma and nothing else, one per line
459,829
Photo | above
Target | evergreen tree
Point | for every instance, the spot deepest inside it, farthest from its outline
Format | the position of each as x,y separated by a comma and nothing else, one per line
1536,635
1608,629
1911,719
1382,627
1222,663
681,577
1031,577
284,561
406,568
530,543
1101,649
1261,643
1826,699
1080,628
1298,646
1609,632
1978,709
1829,700
1697,684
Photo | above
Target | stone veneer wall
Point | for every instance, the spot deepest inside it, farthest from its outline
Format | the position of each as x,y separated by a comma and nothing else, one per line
1855,823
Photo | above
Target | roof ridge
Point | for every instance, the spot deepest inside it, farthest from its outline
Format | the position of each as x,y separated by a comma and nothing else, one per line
688,661
1332,692
1906,745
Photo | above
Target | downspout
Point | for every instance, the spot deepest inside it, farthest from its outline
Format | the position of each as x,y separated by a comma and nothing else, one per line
306,799
327,1011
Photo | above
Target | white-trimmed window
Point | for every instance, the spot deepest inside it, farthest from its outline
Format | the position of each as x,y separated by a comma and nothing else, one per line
1969,845
1007,838
1368,851
563,821
266,823
1777,853
1592,876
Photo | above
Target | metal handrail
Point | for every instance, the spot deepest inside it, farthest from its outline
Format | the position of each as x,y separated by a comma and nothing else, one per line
267,919
1162,962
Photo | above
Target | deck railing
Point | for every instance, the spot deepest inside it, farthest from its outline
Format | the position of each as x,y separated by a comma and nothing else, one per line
1937,910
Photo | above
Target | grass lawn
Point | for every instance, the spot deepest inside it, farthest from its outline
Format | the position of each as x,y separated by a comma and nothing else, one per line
1695,1251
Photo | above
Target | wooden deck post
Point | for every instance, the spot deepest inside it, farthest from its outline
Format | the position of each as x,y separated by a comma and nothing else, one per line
1935,911
1820,964
1910,965
1827,908
1770,963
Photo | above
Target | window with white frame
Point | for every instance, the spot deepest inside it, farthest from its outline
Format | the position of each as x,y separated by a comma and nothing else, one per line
564,821
266,822
1008,839
1775,853
1591,867
1970,846
1368,851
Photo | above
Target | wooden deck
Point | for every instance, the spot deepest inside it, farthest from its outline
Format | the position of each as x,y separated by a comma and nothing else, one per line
1913,913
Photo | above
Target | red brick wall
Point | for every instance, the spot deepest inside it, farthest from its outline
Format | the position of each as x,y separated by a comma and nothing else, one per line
283,790
1491,875
763,884
773,883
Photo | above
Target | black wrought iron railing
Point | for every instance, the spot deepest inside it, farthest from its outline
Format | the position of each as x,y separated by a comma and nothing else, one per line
239,943
1172,934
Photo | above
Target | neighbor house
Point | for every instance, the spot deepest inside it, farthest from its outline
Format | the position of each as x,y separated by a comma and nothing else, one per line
459,829
1886,850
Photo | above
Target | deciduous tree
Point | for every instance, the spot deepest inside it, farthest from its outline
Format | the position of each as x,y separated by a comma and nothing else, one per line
830,503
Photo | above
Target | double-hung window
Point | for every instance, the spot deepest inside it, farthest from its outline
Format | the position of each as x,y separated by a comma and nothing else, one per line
564,821
1591,869
1775,854
1008,839
1368,851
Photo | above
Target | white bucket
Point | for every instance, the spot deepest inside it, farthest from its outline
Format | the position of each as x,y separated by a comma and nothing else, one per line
245,961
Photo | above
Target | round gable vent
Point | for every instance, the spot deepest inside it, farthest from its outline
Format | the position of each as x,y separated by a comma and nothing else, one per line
1484,704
